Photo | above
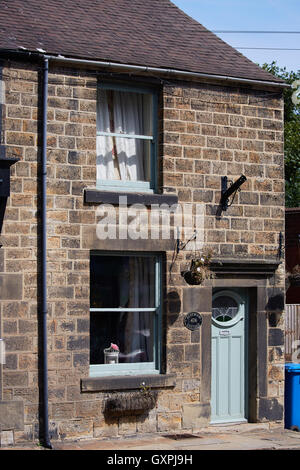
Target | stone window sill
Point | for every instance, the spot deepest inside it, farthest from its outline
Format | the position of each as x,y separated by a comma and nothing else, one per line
96,196
127,382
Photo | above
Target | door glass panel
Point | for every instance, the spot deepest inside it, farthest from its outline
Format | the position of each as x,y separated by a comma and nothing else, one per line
225,308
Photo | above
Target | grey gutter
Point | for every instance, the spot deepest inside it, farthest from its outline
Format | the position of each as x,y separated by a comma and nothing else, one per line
157,70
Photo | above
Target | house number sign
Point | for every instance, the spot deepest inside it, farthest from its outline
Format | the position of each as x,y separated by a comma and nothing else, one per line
224,333
193,321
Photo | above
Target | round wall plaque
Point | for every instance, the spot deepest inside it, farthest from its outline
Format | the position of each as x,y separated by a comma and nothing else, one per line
193,321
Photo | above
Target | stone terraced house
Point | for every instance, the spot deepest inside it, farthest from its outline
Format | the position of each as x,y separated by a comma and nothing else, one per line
139,152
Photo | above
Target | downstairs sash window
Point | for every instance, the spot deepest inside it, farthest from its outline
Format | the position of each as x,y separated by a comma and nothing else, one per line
125,311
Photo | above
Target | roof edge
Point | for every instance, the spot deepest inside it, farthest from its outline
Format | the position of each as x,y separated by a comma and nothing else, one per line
32,55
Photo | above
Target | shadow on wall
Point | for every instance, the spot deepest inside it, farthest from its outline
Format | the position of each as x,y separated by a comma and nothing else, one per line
275,306
275,301
3,202
173,307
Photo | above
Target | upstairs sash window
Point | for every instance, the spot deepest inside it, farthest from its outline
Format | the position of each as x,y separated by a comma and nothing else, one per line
126,138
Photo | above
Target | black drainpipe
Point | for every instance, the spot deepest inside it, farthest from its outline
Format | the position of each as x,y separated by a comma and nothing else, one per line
44,431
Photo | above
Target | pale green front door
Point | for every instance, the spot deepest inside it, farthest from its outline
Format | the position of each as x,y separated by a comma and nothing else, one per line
229,318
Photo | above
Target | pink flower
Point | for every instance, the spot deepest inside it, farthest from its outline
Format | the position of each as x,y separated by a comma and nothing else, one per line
114,347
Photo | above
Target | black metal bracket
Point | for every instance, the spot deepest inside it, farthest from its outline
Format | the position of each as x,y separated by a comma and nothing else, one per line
181,245
227,192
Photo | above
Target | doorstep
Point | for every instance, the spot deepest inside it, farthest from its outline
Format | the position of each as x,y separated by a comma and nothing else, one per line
237,427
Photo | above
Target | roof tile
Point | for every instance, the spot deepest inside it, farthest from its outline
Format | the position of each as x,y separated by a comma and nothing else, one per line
140,32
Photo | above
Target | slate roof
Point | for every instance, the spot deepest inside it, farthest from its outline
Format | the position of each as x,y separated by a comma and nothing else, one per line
154,33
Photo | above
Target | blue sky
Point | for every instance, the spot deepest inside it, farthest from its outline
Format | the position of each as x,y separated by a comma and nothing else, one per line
254,15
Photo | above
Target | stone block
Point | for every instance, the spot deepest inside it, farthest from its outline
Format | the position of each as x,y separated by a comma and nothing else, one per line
6,438
106,428
197,299
175,353
146,423
10,286
179,336
192,353
24,436
76,429
18,343
270,409
168,421
195,415
127,425
62,411
276,337
76,343
276,372
15,379
11,415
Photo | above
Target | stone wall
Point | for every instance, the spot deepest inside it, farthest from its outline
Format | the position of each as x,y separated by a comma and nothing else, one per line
206,131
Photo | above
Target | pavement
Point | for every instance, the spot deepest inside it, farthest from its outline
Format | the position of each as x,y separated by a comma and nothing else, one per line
244,436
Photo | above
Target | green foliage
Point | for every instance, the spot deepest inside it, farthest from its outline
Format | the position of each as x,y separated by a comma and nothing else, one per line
291,135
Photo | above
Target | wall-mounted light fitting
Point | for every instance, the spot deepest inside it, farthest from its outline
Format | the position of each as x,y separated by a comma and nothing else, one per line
5,164
227,192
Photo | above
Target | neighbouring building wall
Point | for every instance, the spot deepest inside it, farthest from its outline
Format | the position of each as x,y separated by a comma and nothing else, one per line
206,131
292,244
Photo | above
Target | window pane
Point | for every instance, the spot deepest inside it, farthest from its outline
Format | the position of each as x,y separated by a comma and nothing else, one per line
132,332
124,112
123,159
122,281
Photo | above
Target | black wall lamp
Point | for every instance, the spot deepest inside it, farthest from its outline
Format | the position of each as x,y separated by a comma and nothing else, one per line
227,192
5,164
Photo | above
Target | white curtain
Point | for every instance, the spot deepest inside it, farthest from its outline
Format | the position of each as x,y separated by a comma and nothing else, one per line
142,288
105,163
127,118
139,325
